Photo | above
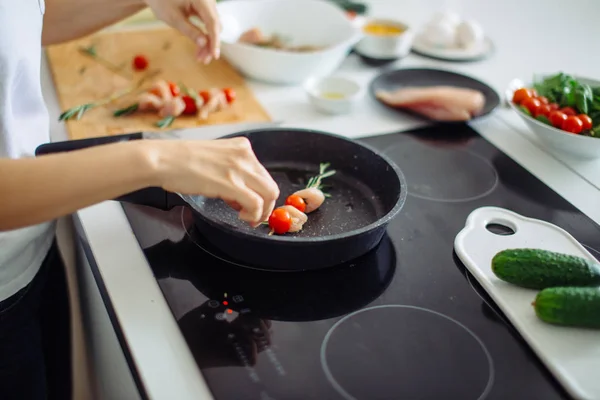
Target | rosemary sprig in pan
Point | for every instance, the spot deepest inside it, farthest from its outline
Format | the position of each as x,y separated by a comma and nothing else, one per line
91,52
315,181
78,111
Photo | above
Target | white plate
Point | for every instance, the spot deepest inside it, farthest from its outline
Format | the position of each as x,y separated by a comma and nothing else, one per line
421,47
571,354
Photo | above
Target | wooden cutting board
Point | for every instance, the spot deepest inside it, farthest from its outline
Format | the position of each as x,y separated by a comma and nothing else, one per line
80,79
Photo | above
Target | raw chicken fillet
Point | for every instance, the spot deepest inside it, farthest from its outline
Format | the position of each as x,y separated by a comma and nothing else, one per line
440,103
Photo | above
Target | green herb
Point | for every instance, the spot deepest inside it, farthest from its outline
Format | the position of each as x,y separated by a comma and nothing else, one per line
78,111
91,52
315,181
525,110
567,91
165,122
543,119
127,110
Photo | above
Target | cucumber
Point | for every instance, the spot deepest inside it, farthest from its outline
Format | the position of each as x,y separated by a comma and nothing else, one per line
540,269
569,306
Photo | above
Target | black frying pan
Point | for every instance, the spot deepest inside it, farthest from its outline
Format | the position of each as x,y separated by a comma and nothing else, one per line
367,191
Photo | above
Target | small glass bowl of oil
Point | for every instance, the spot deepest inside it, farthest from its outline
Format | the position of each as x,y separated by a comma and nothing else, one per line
333,94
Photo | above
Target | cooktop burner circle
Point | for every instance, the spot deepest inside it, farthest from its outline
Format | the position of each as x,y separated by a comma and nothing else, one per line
466,176
405,352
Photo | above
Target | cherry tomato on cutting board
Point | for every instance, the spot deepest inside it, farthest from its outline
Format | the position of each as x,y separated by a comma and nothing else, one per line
557,118
190,105
280,221
140,62
205,96
586,120
175,91
572,124
229,95
296,202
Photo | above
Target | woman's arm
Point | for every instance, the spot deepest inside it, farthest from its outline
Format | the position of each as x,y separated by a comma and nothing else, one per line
65,20
34,190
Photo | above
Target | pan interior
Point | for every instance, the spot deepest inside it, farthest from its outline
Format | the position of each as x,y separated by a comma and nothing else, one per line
352,204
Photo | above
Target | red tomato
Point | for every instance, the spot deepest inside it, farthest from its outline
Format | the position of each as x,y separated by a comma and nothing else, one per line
543,100
553,106
572,124
532,105
569,111
205,95
296,202
351,14
586,120
229,95
520,95
140,62
557,118
190,105
544,110
280,221
175,91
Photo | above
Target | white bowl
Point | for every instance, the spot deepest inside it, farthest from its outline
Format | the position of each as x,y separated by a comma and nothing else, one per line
557,140
334,94
385,46
305,22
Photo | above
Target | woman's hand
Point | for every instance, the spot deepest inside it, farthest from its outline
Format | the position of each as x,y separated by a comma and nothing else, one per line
176,13
224,168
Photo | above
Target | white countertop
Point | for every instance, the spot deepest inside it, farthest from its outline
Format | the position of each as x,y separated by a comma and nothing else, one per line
530,36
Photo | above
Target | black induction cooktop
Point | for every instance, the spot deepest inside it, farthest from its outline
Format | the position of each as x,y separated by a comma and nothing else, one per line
406,321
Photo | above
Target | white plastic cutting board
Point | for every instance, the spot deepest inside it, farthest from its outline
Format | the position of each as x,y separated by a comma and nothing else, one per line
571,354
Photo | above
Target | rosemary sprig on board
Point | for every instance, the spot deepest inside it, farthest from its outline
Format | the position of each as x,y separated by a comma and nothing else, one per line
78,111
91,52
165,122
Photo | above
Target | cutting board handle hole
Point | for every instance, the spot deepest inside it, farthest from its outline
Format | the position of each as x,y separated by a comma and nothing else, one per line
501,229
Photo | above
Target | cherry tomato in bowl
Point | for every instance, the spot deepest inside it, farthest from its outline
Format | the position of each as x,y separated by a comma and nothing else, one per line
572,124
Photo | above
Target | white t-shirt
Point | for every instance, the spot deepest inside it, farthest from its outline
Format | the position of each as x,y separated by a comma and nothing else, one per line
23,126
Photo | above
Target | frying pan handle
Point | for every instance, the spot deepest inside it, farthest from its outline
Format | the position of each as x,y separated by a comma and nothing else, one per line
70,145
153,197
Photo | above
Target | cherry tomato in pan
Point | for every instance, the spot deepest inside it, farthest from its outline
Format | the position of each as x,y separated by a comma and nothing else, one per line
190,105
521,95
296,202
532,105
569,111
572,124
229,95
586,120
280,221
140,63
557,118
